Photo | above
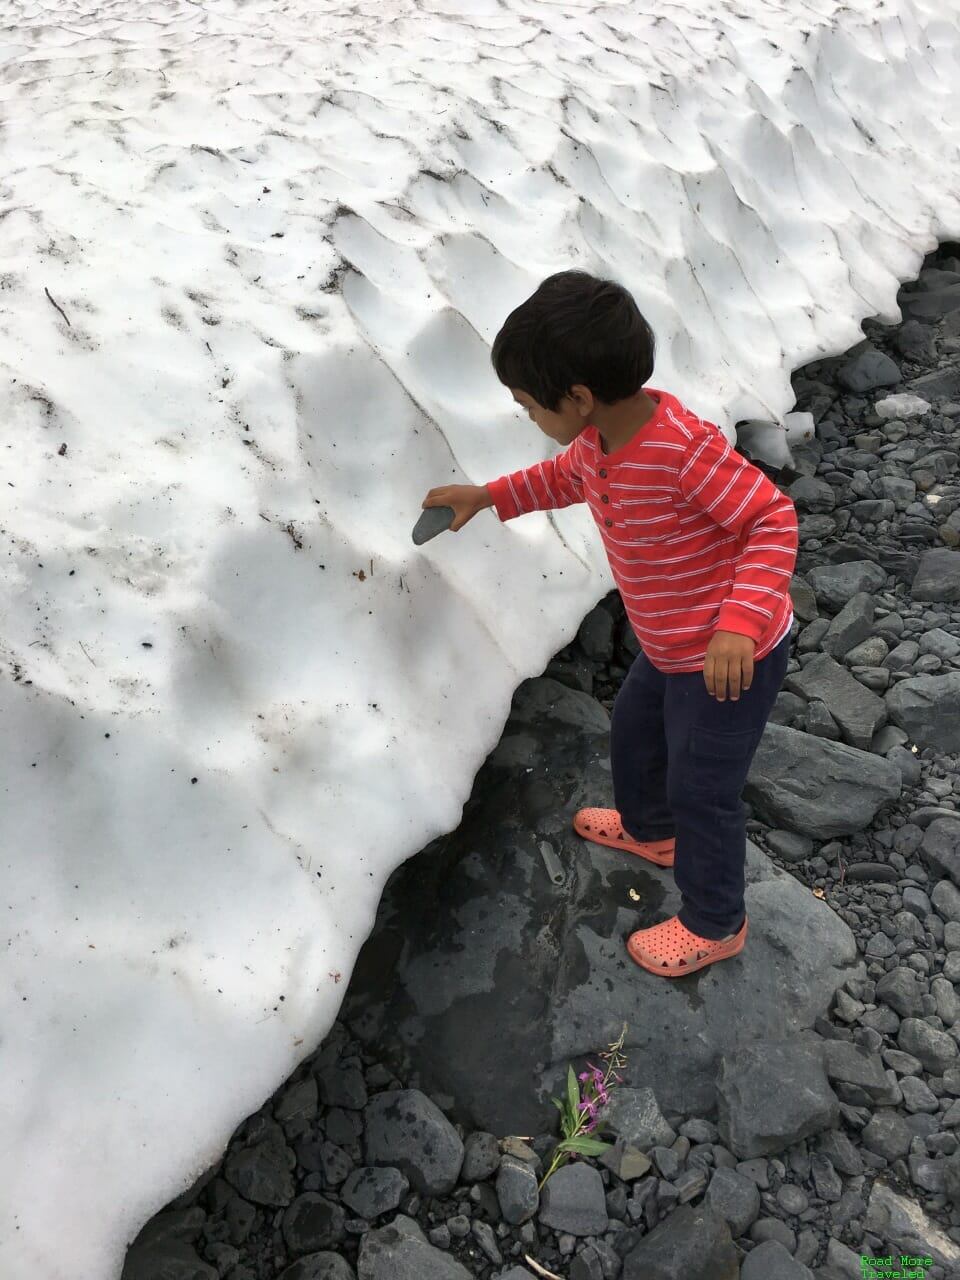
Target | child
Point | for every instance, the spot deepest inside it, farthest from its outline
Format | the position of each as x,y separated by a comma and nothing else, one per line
702,547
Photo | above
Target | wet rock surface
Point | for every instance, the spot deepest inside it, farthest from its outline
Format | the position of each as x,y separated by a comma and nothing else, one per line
483,978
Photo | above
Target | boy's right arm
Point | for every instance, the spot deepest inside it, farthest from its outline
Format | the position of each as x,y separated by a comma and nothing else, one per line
543,487
546,486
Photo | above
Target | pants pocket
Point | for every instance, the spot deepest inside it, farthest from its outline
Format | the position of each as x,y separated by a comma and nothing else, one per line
720,760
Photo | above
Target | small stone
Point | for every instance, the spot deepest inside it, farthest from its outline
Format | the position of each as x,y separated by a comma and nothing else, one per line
312,1223
667,1161
887,1135
792,1200
825,1177
481,1157
633,1114
517,1192
572,1200
935,1049
263,1172
317,1266
690,1183
370,1192
483,1234
735,1198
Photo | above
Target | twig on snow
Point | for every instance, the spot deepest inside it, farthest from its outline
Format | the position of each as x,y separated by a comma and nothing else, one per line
57,305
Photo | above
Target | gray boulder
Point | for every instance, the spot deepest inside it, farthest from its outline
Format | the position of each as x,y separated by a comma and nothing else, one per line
773,1093
834,584
938,578
690,1244
736,1198
404,1129
857,711
935,1049
928,709
816,787
853,624
771,1261
941,847
867,371
400,1251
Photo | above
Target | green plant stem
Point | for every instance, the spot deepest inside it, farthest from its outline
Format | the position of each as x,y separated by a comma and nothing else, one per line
558,1154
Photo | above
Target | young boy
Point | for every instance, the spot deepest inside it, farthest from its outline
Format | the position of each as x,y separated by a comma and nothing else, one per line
702,547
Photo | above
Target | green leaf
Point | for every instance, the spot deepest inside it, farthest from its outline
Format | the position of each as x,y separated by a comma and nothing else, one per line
573,1093
586,1146
558,1104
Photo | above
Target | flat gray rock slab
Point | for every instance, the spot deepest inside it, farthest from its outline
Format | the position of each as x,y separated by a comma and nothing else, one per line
476,945
815,787
857,710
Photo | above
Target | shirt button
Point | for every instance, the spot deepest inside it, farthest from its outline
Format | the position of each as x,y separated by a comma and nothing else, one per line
604,498
603,475
608,522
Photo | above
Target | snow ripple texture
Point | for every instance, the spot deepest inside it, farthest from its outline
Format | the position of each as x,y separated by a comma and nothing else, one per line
252,257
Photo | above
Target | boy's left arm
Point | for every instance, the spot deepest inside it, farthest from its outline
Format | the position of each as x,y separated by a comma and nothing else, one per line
739,497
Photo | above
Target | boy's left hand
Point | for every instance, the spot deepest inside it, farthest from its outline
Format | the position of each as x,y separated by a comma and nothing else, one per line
729,658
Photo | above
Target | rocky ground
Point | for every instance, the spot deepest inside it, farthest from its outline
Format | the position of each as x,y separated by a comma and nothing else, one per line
350,1171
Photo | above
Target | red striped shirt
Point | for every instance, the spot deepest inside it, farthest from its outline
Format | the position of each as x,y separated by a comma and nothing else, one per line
698,539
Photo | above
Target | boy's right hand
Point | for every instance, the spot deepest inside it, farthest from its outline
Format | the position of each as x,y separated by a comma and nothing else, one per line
466,500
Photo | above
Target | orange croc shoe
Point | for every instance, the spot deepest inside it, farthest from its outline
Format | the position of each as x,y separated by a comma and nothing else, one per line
603,826
671,950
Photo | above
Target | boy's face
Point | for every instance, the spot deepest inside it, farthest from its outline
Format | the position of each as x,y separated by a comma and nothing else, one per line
565,425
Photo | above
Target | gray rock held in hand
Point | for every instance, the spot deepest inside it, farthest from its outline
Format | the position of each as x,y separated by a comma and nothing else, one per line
433,521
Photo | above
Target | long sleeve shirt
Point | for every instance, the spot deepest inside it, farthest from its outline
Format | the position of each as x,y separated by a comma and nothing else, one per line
698,539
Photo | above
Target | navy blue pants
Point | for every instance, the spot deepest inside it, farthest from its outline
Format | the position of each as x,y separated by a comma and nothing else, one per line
680,759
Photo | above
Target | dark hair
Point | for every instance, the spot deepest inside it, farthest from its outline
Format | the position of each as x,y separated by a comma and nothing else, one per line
575,329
